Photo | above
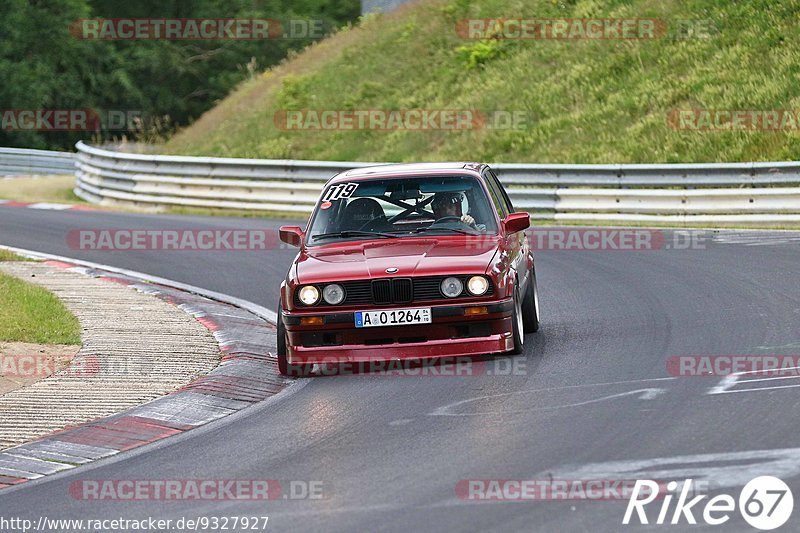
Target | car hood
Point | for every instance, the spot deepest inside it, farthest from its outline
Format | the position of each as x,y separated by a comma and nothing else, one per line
412,257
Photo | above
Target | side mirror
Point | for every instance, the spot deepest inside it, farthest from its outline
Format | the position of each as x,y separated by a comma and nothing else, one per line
516,222
292,235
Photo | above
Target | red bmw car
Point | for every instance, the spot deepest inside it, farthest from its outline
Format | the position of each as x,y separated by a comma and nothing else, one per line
407,262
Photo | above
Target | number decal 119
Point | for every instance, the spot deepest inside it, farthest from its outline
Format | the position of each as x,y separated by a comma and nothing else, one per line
342,190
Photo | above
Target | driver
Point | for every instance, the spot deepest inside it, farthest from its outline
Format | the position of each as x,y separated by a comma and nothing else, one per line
448,204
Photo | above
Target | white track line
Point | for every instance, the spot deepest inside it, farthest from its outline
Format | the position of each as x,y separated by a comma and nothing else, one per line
732,380
53,207
267,314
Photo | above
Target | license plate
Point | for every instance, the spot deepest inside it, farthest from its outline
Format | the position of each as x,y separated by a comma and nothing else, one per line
393,317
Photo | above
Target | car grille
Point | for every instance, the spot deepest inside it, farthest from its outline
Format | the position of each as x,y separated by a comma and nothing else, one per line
402,291
382,291
389,291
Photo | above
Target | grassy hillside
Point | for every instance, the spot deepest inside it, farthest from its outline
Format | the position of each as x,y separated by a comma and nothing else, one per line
589,101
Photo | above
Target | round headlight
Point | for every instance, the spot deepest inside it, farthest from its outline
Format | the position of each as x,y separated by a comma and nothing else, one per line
333,294
452,287
309,295
477,285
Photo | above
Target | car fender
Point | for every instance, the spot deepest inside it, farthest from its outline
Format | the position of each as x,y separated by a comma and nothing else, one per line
504,272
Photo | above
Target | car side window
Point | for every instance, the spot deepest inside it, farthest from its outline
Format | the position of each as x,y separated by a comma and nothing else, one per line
497,198
503,192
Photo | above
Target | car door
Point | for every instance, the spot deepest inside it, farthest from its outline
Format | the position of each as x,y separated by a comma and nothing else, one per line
517,244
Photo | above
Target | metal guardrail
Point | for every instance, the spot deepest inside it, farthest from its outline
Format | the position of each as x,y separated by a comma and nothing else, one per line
704,193
22,161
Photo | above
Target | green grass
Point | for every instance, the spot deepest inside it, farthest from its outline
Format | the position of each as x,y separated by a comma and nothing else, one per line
58,189
591,101
55,189
6,255
29,313
666,225
241,213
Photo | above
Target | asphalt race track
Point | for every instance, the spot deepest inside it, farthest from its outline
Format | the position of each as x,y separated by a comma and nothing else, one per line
591,396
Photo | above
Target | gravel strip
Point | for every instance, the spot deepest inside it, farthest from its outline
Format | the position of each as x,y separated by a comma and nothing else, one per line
136,348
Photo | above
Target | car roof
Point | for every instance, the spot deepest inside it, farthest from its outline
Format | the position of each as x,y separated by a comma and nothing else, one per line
405,169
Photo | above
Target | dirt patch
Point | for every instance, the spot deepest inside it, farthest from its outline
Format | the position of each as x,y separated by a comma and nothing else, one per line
22,364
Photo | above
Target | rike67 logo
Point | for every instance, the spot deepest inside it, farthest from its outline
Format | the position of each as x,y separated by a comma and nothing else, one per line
765,503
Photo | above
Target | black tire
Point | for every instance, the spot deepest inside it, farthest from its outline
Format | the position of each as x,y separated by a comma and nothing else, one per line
517,325
530,305
298,370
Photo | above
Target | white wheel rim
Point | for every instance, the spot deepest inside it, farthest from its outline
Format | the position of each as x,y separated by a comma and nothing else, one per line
518,312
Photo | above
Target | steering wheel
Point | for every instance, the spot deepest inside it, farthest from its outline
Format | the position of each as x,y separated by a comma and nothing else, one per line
367,226
450,218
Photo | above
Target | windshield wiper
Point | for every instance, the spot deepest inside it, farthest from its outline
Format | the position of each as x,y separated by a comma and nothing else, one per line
454,230
354,233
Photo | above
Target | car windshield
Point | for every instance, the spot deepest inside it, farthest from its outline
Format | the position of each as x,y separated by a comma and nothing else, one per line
392,207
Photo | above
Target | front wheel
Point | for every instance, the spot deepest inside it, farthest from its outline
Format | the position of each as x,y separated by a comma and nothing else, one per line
530,305
517,323
284,367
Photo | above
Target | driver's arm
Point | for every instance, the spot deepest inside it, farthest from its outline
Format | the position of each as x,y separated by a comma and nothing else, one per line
468,220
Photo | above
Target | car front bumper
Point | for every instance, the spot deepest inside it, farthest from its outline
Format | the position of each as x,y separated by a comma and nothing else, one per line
451,334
